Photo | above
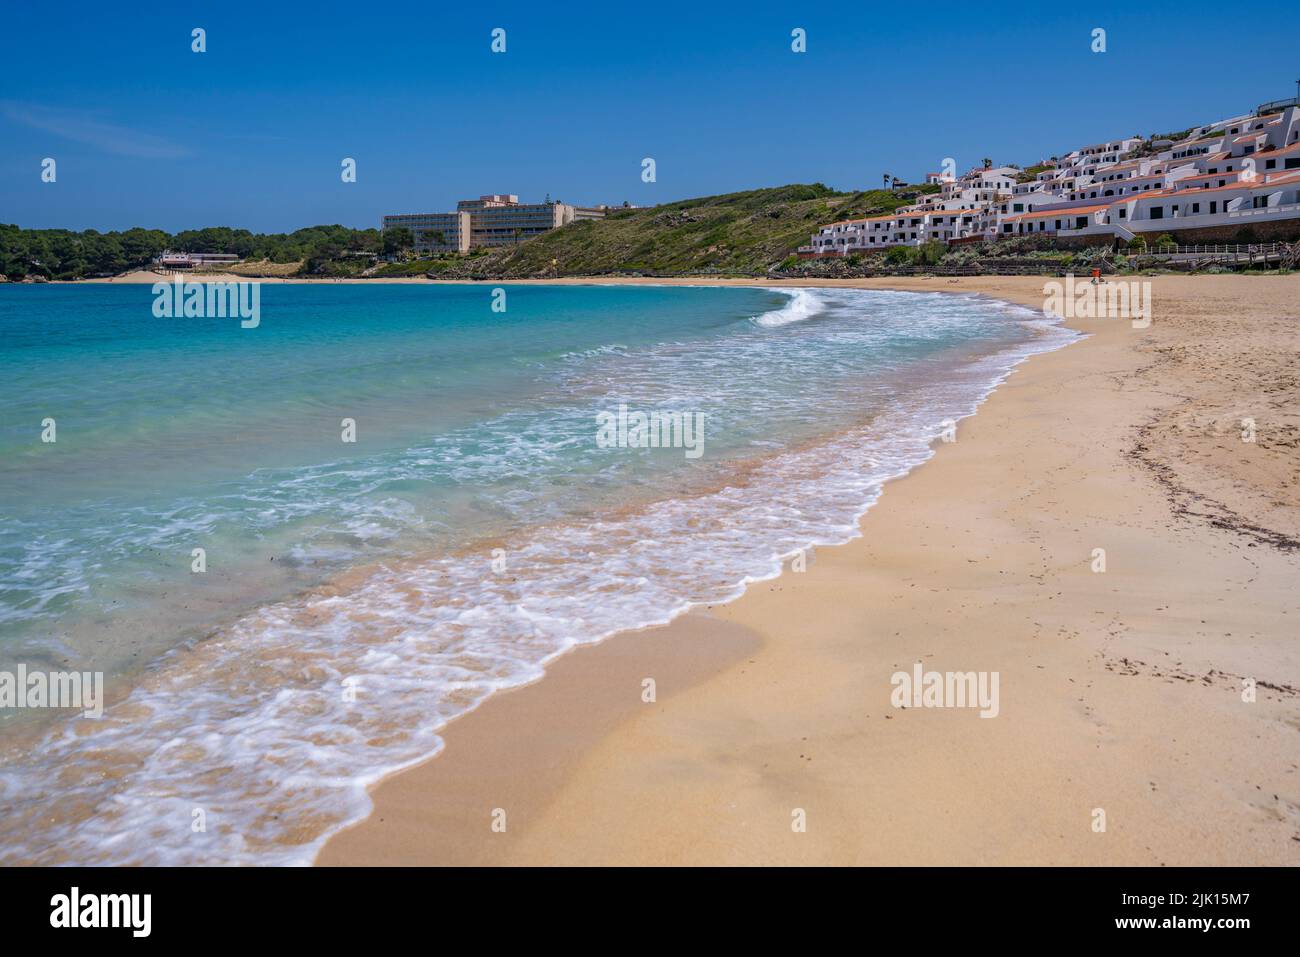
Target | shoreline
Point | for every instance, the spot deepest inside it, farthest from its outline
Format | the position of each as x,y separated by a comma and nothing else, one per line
902,283
709,773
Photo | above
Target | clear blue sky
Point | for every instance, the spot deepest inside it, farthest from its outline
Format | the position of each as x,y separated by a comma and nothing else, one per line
251,133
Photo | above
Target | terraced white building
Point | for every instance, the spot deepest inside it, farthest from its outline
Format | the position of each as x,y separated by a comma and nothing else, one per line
1207,185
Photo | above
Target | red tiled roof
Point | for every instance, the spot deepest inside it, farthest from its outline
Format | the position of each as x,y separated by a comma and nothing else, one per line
1069,211
1260,182
1279,150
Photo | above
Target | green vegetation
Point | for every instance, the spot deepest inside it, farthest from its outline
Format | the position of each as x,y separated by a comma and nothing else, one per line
927,254
1029,175
64,254
734,234
743,233
413,267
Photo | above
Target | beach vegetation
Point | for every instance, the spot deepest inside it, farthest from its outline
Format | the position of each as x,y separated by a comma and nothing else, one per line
69,254
930,254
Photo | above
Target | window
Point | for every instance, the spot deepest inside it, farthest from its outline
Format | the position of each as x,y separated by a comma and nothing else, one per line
1196,208
1270,164
1058,224
1214,207
1157,212
1123,213
1080,222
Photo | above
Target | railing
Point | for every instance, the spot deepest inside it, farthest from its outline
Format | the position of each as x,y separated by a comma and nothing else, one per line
1234,253
1263,210
1276,105
1223,249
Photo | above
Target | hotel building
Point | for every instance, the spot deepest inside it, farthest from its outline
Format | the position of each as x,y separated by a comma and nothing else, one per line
497,219
435,232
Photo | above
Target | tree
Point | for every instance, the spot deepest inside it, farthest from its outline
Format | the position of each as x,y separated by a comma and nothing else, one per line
397,239
887,179
988,163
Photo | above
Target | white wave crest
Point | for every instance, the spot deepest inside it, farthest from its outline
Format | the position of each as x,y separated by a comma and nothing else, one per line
803,304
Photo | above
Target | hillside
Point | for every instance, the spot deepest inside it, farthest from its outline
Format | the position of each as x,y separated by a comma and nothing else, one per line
735,234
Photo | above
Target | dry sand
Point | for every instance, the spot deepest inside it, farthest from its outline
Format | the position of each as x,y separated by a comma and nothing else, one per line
1119,691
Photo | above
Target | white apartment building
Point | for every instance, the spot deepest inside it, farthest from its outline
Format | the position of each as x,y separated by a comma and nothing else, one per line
1242,171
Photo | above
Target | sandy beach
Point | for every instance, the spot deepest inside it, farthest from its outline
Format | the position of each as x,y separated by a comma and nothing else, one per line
1125,694
1126,733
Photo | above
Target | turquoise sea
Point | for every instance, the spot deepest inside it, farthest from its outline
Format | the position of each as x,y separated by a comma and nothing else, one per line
358,594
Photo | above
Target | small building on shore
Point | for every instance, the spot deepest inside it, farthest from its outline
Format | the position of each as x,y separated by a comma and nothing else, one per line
169,259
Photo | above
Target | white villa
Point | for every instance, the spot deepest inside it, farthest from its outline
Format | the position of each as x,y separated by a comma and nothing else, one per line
1207,186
